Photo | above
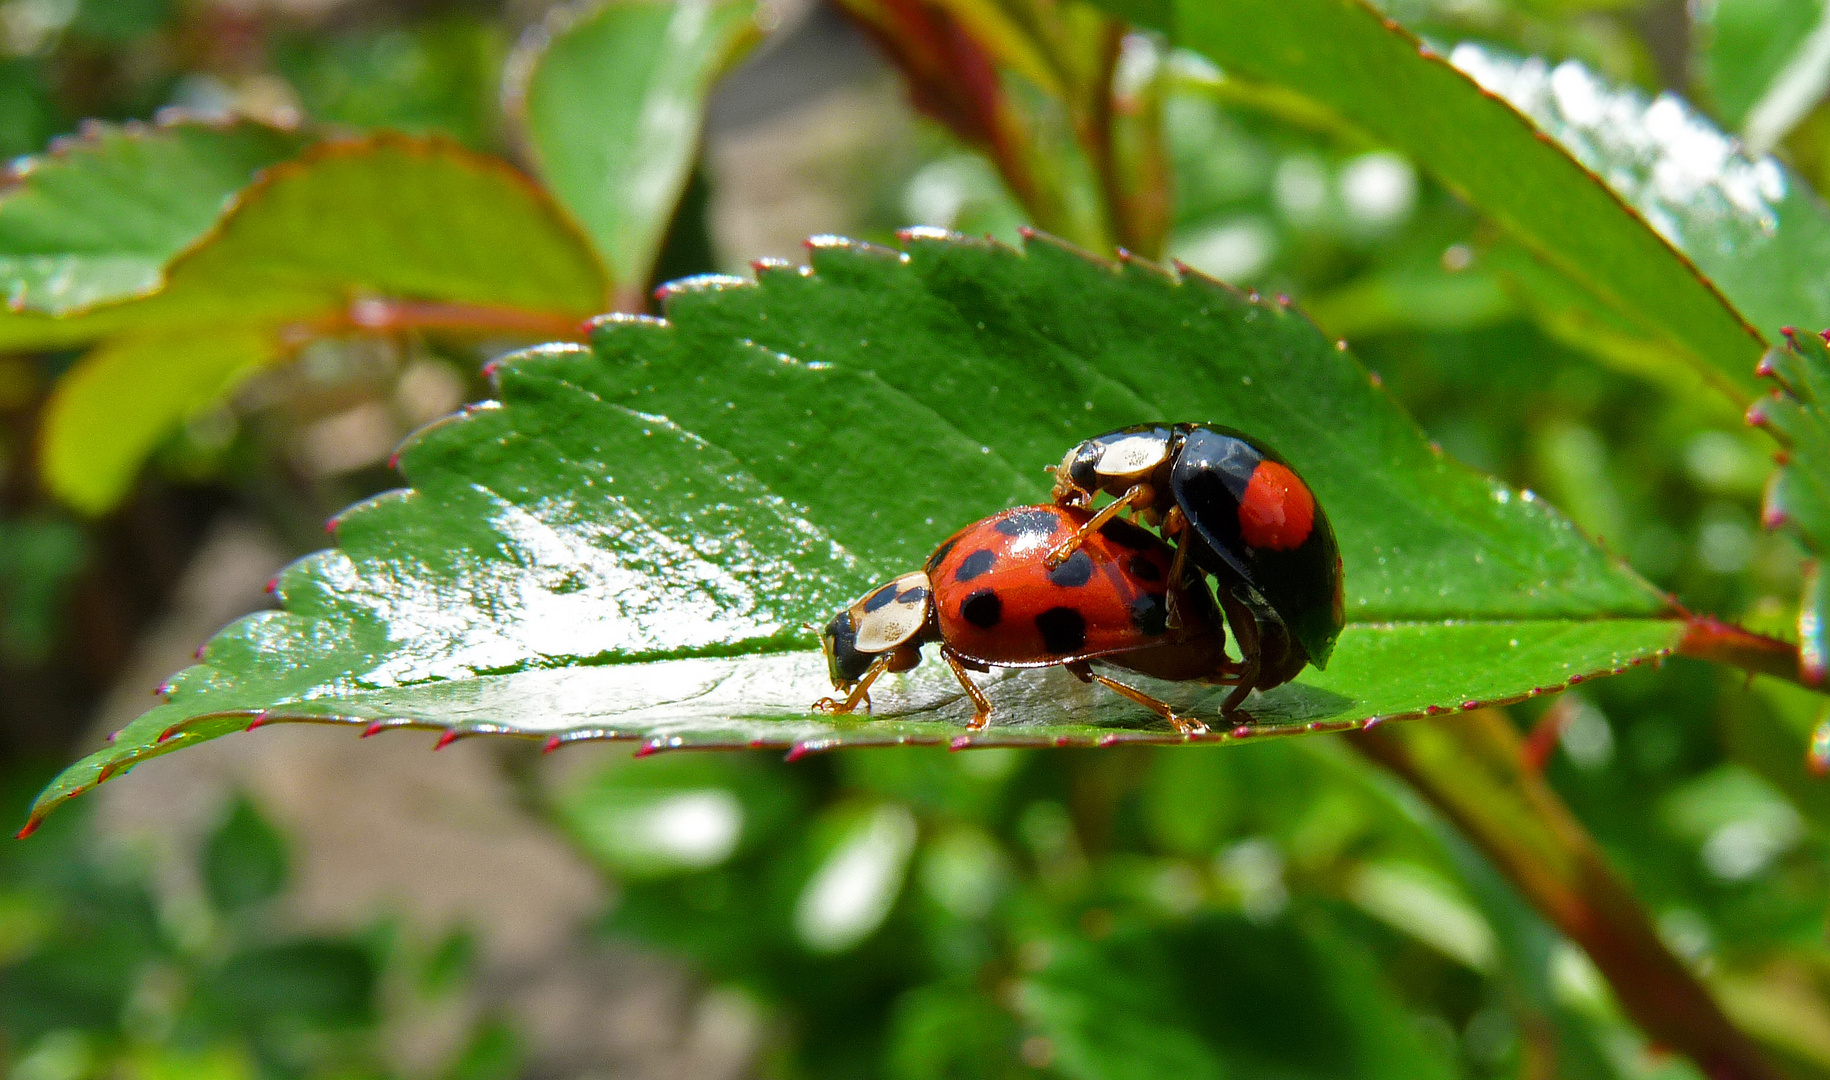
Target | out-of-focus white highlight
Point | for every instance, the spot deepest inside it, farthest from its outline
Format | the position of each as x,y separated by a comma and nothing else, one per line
1378,189
849,896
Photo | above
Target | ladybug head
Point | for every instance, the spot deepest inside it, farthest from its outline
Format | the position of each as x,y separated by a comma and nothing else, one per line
839,641
892,619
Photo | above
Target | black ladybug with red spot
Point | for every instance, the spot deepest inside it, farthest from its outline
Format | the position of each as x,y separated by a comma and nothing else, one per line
1236,509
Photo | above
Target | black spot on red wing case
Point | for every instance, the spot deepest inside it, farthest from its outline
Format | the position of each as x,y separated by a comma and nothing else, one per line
1064,630
940,554
1075,572
1125,534
974,564
982,609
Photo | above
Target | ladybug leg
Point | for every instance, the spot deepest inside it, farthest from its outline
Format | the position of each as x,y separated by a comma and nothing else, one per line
1140,495
1173,524
981,705
860,692
1251,653
1161,708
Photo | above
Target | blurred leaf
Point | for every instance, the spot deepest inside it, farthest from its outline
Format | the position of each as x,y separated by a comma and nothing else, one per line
1367,69
495,1052
451,964
422,228
109,412
416,220
323,983
1799,492
100,216
120,21
557,543
435,77
1220,997
39,558
167,1063
244,860
1744,44
28,114
613,103
949,1032
1756,231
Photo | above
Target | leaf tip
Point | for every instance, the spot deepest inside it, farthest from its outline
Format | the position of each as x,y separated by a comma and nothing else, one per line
31,826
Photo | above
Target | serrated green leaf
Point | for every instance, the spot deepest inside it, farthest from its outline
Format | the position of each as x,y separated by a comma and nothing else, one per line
100,216
1363,67
613,105
1798,495
422,231
629,543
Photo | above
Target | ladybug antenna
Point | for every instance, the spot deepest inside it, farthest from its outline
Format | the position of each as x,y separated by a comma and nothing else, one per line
1049,469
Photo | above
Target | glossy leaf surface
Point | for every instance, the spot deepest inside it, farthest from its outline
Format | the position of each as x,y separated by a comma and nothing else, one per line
612,106
1751,226
569,564
98,217
1364,68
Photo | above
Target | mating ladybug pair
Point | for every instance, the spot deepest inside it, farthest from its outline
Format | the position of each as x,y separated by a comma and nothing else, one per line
1064,585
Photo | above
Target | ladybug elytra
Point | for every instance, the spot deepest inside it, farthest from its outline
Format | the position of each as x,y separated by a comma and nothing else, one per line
990,599
1238,510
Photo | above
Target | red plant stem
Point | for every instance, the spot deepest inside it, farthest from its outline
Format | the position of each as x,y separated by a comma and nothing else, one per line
1095,129
1471,768
1709,638
385,316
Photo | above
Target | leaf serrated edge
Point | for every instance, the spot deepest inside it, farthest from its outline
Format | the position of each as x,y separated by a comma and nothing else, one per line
183,734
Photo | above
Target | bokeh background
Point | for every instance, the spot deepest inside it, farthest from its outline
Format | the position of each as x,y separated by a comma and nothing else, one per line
294,903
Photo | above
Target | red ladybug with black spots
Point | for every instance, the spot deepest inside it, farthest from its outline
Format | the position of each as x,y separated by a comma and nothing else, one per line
1238,511
988,597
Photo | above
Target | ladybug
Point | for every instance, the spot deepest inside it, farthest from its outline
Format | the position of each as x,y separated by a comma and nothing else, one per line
1241,513
989,598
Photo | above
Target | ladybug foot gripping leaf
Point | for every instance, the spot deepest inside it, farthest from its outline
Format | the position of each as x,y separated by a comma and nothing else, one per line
990,597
